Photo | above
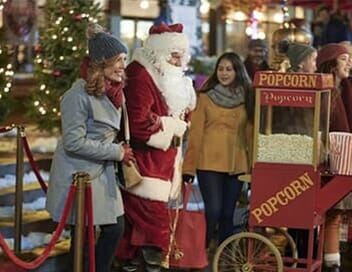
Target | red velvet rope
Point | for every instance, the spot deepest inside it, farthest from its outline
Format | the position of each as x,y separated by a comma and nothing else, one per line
89,216
6,129
39,261
33,164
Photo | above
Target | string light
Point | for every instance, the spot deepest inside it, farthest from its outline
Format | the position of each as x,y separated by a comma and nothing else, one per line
144,4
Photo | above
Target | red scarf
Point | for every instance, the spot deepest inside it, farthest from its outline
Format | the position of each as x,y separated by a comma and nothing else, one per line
113,90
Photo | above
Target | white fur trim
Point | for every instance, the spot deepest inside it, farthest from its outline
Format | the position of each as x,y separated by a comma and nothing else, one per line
180,128
153,189
177,178
167,42
162,139
331,259
174,86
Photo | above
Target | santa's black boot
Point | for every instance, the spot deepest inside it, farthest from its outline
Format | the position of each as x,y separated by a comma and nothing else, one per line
152,259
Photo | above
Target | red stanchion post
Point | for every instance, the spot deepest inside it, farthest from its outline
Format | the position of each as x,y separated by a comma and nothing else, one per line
81,178
19,189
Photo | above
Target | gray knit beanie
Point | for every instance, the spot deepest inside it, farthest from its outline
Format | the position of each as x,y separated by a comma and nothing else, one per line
102,45
296,52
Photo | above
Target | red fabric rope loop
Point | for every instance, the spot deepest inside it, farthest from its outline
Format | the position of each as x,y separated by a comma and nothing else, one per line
33,164
6,129
40,260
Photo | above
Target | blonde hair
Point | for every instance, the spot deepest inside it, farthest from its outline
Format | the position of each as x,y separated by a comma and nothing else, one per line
95,76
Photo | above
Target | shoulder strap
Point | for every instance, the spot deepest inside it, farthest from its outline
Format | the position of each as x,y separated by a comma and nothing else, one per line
126,122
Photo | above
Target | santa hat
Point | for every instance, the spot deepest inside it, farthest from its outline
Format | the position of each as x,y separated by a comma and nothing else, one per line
329,52
167,39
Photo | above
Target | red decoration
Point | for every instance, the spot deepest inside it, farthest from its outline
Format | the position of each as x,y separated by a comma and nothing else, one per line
57,73
38,49
78,17
162,28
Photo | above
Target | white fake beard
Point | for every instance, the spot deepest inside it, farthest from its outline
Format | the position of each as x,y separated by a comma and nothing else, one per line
176,88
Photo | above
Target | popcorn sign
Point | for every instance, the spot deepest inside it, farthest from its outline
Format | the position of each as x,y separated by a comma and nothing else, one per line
287,98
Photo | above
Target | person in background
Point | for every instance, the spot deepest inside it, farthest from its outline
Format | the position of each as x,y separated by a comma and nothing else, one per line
159,98
218,142
322,18
90,123
335,59
302,57
257,58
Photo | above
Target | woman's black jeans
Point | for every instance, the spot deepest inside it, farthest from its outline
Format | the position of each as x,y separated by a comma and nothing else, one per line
220,192
105,247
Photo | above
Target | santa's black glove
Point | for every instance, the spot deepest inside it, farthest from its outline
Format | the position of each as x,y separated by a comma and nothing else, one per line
187,178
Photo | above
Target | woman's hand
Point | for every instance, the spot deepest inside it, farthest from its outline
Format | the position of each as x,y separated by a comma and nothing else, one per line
128,154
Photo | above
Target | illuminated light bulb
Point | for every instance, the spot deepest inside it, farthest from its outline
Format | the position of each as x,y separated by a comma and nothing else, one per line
36,103
9,66
0,96
74,48
65,29
2,70
239,16
144,4
95,20
42,87
47,92
6,90
204,7
71,11
54,37
0,51
8,85
278,17
261,35
39,60
249,31
61,58
69,39
43,112
54,110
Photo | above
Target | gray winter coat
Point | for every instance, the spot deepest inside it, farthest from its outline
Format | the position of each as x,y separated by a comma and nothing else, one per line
89,127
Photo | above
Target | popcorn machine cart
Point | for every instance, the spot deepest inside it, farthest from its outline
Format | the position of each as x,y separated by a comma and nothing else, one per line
290,187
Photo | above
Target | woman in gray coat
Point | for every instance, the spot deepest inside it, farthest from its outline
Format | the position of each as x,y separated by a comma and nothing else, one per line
90,123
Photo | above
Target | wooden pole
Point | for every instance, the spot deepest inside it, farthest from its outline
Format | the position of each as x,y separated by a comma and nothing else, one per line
19,190
80,178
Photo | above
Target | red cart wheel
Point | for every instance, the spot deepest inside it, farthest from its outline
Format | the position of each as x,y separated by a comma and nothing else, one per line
247,252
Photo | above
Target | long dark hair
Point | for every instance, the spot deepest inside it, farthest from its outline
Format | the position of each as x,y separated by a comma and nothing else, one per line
241,79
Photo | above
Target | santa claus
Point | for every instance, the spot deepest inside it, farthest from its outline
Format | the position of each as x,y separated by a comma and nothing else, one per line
159,97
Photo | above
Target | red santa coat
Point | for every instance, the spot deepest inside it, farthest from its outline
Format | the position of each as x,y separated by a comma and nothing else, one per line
152,131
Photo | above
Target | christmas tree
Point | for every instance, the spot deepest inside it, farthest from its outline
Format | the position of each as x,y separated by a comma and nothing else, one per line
62,45
6,74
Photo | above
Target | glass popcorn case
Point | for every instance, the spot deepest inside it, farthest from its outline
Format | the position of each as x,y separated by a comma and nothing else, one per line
291,118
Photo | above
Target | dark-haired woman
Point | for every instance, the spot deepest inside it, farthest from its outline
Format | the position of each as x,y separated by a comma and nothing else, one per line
335,59
218,144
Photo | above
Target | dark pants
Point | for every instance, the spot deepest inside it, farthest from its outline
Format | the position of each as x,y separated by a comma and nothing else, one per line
105,247
220,192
